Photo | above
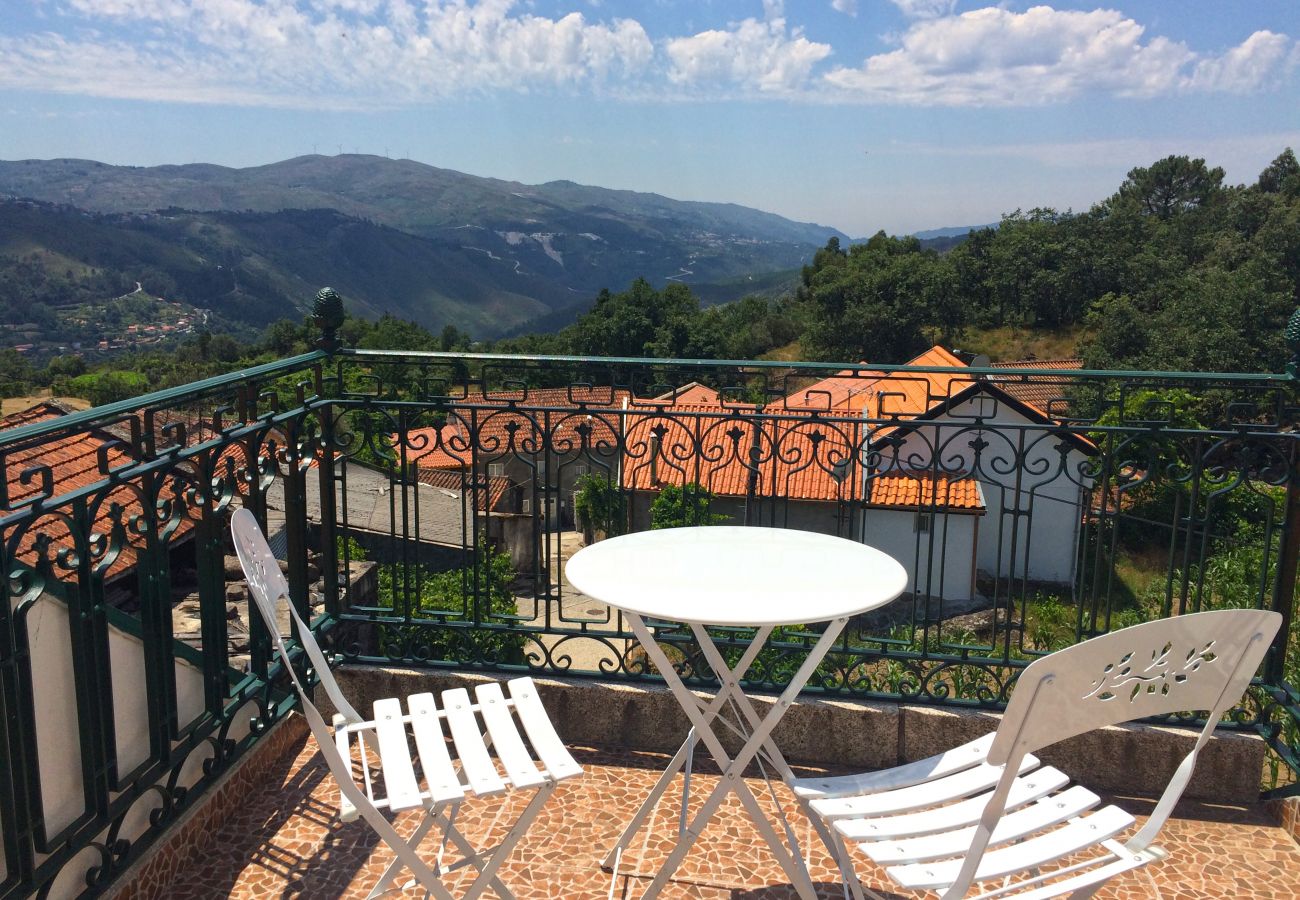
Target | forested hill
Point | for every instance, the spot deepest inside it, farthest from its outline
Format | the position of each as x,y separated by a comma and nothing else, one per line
532,240
1175,270
250,269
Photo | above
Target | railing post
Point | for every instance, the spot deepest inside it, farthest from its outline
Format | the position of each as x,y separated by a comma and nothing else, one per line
209,564
1287,566
329,557
1289,559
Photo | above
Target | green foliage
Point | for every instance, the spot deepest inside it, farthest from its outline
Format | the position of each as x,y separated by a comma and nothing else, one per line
16,375
108,387
676,507
600,505
884,300
478,593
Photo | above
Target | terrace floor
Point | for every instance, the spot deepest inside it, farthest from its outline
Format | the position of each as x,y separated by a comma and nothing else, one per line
286,841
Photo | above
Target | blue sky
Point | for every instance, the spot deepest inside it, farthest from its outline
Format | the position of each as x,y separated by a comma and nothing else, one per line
861,114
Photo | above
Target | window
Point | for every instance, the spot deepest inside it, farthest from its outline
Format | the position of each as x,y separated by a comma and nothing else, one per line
497,468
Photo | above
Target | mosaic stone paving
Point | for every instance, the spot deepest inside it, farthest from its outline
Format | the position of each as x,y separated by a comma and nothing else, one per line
286,841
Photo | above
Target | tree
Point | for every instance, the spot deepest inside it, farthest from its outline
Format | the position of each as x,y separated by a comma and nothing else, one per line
1282,174
600,506
640,321
1171,186
887,301
676,507
16,374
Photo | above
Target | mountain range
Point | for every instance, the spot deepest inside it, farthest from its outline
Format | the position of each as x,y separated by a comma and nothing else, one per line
433,245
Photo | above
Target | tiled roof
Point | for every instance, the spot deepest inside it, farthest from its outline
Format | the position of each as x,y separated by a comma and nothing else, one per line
693,393
844,391
496,486
926,490
513,422
906,395
883,396
800,459
1042,392
73,462
431,448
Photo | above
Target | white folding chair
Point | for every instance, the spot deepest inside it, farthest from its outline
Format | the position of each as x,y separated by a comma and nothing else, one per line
390,734
986,811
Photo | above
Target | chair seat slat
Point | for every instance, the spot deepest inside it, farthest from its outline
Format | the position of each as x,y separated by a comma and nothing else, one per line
922,770
919,796
1035,852
1026,789
541,733
1027,820
439,773
395,755
474,758
509,746
1086,878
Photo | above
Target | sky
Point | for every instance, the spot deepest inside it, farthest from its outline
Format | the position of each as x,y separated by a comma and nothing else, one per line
900,115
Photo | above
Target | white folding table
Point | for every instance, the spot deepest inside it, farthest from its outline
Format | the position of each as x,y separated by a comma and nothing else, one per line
748,577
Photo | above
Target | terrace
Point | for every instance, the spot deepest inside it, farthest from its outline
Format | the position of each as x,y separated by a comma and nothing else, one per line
425,505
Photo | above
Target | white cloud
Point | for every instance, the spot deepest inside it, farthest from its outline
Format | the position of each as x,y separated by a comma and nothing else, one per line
1246,67
369,53
995,57
306,52
750,54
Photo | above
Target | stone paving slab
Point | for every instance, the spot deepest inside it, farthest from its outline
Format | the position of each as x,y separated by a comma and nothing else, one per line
287,841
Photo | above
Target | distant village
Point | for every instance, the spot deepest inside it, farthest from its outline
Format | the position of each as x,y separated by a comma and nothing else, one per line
112,327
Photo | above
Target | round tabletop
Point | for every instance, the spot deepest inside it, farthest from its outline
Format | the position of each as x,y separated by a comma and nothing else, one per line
729,575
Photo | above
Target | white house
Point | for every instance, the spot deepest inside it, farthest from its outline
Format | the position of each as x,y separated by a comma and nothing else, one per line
949,432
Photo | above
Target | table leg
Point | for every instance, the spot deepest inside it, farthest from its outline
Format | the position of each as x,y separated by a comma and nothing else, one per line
714,658
733,768
711,710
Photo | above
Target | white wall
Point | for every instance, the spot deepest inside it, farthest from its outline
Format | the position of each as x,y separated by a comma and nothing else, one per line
939,563
1018,470
57,740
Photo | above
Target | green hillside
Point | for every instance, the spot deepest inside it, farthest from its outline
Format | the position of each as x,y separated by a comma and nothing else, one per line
511,250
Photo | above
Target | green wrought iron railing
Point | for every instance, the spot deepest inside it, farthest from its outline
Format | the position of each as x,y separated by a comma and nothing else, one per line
425,506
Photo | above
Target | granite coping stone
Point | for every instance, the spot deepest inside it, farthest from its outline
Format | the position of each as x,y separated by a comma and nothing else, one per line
1130,759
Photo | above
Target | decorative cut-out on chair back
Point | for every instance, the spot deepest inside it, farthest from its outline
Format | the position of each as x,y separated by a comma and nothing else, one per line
266,582
1202,661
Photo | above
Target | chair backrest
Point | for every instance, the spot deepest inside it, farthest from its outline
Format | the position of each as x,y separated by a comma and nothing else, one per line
268,588
1200,661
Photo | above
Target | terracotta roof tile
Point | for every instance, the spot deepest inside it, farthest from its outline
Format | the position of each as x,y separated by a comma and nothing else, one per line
729,453
1044,393
886,395
926,490
495,486
435,447
693,393
72,461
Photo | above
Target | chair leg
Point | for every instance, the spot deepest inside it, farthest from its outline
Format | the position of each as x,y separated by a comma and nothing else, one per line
487,873
852,886
395,867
